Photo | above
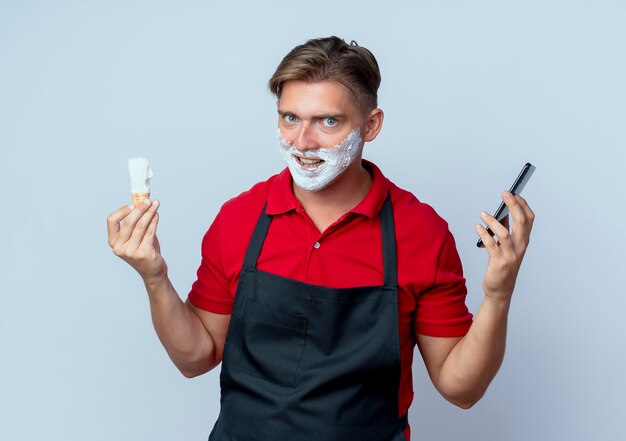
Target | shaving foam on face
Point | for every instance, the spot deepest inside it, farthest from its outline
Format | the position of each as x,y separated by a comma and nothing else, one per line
314,177
140,175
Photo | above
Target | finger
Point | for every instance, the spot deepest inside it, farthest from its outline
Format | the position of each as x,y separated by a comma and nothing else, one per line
142,226
520,225
505,222
113,222
148,238
501,232
131,220
524,204
529,219
490,243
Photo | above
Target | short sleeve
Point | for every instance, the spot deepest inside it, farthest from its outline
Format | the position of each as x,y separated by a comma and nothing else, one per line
211,290
441,309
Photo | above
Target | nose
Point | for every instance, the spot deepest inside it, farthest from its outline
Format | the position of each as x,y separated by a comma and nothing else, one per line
306,138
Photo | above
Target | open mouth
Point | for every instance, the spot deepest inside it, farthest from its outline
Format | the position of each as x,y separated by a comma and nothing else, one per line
308,163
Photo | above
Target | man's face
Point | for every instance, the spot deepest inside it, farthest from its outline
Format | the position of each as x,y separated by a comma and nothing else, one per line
316,115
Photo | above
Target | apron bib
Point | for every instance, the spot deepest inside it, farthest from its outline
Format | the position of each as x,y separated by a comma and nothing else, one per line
309,362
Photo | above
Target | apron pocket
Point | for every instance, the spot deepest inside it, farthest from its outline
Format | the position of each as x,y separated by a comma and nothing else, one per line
272,344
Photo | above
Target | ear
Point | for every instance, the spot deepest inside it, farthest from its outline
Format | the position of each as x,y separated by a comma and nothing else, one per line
373,124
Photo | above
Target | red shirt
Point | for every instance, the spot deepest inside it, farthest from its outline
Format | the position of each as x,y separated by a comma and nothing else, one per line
431,291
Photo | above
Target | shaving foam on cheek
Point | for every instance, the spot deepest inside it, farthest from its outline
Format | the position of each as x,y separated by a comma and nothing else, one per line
335,160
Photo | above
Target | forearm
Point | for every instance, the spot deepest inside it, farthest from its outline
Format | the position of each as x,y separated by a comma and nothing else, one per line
474,361
186,340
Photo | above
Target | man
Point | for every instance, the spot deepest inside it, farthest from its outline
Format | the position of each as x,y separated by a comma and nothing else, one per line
316,285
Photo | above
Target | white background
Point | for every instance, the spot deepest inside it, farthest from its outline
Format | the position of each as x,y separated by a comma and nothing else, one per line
471,91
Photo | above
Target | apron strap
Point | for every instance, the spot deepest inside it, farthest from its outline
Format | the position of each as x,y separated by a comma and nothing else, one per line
387,227
258,237
388,230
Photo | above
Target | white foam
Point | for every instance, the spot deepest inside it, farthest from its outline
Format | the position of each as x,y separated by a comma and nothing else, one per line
336,160
140,175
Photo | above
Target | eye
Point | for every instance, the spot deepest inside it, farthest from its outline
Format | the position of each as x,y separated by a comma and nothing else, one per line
289,119
330,122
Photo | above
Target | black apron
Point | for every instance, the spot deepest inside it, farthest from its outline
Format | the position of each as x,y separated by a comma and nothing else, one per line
309,362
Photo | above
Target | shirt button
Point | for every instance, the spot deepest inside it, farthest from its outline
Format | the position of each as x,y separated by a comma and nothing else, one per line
316,245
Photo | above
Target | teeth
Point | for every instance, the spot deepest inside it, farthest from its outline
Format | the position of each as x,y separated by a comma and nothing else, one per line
309,161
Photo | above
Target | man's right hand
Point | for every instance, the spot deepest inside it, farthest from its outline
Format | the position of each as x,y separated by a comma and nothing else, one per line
132,236
193,338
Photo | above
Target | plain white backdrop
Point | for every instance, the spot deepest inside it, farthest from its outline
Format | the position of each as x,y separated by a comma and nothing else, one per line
471,91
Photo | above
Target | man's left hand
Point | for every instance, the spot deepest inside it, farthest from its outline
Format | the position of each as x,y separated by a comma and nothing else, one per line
506,250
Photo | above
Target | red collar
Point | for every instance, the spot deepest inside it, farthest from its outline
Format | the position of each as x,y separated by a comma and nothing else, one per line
282,200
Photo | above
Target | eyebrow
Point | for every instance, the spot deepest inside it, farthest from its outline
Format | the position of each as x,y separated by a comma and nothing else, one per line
322,116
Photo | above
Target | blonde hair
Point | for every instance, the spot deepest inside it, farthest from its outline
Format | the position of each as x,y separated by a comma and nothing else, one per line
332,59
